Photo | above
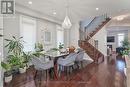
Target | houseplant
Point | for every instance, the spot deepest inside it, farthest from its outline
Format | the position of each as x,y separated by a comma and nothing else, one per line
15,61
39,47
15,51
126,43
8,71
15,45
22,65
38,50
125,53
27,57
61,46
126,46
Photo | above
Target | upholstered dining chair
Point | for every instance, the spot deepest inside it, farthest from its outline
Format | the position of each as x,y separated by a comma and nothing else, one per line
66,64
79,59
42,66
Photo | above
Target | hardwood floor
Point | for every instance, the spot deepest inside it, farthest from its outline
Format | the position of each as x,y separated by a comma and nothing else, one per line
107,74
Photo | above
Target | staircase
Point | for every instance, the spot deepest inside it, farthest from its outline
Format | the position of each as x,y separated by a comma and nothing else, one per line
88,43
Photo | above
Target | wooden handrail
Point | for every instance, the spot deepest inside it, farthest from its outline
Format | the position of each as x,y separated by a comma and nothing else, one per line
89,23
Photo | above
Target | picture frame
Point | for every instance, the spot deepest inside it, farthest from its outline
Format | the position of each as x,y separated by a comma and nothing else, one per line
47,37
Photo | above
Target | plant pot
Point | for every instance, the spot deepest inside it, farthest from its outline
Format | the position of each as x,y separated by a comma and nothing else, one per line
62,50
8,78
125,56
22,70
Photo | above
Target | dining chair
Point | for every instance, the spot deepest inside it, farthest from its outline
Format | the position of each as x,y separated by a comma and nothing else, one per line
67,63
80,58
42,66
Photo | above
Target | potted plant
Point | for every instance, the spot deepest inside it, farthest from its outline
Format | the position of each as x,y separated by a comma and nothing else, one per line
61,46
39,47
125,53
8,71
22,66
14,60
126,46
15,51
27,57
15,45
126,43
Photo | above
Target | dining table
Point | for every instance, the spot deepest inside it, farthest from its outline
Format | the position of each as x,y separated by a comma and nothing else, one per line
55,55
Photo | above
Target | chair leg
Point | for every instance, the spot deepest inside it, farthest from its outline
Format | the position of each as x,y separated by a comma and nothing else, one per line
72,67
77,65
46,75
41,76
81,64
59,70
51,72
35,74
69,69
65,69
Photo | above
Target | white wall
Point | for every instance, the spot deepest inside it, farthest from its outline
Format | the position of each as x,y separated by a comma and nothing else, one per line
1,50
42,26
102,42
114,31
74,35
12,27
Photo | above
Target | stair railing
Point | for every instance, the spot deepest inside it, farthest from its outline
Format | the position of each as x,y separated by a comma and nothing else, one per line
95,23
92,42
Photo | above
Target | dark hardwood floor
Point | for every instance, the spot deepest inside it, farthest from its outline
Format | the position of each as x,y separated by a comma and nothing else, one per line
107,74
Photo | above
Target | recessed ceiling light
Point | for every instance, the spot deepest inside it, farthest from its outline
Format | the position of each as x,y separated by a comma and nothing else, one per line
54,13
97,9
30,2
120,18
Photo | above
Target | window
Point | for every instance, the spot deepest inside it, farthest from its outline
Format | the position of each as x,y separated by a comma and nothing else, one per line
60,36
47,37
121,37
28,32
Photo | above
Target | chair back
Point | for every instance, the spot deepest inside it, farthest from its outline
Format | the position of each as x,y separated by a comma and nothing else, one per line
80,56
71,57
38,64
35,62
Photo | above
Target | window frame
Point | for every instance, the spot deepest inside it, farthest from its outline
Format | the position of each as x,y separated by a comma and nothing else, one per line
28,19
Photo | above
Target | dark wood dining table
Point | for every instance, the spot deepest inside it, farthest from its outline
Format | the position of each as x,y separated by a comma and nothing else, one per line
55,55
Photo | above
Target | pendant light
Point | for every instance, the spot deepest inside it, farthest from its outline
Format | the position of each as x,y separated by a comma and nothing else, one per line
66,23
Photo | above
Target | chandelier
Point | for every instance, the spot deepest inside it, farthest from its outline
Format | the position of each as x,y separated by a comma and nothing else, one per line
66,23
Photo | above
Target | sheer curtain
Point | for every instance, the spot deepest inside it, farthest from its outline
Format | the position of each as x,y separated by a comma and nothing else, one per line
28,32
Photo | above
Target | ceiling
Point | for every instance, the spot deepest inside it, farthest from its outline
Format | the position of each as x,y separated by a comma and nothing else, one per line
78,9
125,21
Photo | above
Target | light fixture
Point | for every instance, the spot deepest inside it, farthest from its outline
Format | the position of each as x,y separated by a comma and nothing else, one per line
120,18
54,13
66,23
30,2
97,9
